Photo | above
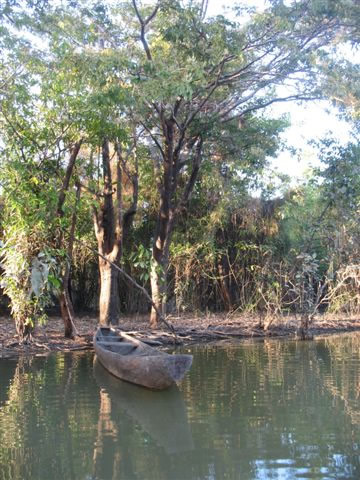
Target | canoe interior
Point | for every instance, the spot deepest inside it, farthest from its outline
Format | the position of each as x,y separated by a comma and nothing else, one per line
115,342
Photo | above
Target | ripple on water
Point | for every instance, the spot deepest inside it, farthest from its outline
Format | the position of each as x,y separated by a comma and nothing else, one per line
273,409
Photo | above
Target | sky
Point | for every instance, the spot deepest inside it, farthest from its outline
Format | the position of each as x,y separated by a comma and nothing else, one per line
310,121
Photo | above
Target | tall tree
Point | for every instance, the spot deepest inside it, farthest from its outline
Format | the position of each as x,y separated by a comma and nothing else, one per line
112,220
198,75
78,75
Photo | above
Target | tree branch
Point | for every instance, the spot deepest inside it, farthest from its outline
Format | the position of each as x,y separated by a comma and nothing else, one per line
143,24
156,141
66,182
268,103
194,173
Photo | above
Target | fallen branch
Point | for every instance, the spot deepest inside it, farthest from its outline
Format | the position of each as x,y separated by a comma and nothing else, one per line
41,345
134,282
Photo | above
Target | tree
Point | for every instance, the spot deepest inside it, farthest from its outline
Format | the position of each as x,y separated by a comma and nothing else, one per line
35,145
162,79
82,81
112,221
199,75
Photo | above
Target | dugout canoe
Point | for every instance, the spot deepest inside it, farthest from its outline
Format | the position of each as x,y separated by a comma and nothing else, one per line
136,362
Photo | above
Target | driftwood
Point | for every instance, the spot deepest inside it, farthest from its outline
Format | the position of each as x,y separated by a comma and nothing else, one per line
191,335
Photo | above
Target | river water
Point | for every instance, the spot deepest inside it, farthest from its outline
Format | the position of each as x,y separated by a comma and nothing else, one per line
249,410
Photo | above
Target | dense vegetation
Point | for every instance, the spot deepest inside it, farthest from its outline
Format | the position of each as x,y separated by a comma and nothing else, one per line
137,135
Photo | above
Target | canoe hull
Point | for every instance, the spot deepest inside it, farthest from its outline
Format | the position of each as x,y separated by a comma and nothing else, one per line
150,368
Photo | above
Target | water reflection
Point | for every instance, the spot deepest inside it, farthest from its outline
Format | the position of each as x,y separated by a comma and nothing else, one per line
46,421
7,371
162,415
268,411
262,410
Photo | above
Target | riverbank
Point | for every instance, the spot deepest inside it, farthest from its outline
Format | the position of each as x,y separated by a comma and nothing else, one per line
189,329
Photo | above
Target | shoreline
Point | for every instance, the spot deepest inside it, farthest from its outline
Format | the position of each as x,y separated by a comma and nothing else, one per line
190,329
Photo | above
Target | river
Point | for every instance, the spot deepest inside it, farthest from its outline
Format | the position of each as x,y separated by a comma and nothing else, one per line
270,409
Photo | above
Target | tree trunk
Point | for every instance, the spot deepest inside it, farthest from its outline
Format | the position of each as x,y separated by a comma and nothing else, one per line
66,316
109,303
164,224
224,276
158,280
24,331
67,313
66,307
303,331
108,229
168,209
160,259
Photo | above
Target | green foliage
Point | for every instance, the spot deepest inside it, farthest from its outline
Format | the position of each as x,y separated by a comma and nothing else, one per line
79,70
141,261
30,270
30,277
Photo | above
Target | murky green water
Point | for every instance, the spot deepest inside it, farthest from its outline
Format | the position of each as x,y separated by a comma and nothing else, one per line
273,410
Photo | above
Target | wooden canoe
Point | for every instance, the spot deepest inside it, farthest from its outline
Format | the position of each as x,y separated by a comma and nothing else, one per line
136,362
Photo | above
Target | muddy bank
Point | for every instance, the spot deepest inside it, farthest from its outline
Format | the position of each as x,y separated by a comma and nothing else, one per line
189,329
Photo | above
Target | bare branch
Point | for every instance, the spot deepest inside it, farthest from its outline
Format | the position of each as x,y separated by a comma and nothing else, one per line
143,24
66,182
156,141
268,103
203,9
194,174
